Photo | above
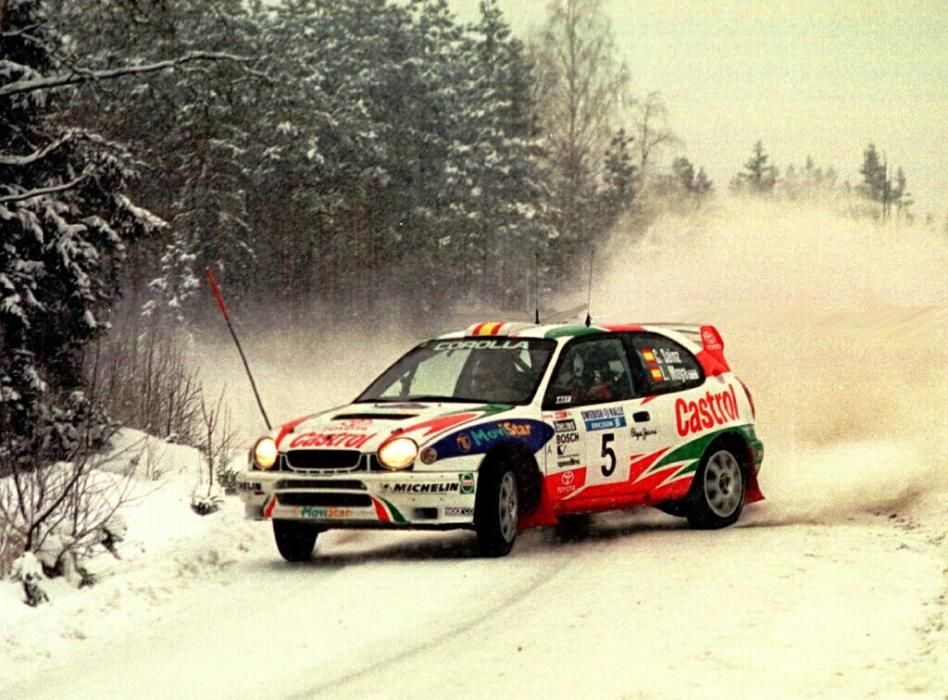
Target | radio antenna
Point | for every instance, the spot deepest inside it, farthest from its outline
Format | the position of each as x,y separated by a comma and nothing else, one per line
220,302
590,292
536,287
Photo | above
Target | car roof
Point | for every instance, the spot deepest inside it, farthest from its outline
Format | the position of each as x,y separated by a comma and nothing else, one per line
687,334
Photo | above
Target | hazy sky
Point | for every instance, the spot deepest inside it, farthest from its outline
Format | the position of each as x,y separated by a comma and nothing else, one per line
807,77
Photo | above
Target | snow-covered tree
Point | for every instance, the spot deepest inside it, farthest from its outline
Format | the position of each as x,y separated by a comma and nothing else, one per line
64,221
192,129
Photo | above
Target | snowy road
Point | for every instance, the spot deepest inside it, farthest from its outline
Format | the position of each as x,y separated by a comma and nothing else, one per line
643,608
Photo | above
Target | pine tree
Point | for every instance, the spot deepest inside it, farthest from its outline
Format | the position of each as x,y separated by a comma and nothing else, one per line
64,224
194,128
617,194
758,175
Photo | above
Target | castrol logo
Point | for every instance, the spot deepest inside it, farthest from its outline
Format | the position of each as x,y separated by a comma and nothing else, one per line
709,411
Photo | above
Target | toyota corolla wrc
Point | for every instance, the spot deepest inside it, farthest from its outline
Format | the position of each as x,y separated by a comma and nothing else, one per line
506,426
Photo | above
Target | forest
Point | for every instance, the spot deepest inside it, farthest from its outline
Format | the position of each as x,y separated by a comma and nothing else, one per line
348,162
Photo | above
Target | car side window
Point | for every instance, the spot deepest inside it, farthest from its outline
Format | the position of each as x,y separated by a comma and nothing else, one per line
664,364
590,371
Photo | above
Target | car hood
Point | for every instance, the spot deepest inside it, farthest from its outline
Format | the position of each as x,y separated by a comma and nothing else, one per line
365,426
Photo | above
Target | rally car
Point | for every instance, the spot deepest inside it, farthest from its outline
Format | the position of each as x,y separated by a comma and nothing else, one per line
506,426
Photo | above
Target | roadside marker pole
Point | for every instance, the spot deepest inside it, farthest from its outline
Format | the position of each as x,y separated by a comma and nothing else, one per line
209,273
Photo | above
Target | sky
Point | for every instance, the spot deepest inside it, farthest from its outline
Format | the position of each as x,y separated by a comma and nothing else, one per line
808,78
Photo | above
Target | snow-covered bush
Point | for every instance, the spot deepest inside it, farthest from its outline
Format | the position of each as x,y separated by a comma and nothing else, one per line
61,513
28,570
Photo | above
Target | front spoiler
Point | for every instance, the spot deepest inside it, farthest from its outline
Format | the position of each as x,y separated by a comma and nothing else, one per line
425,500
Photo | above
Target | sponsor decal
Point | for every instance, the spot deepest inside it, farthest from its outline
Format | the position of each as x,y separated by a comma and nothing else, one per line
415,487
567,438
250,486
564,398
481,345
604,418
643,433
567,482
458,512
709,411
565,426
482,436
563,451
467,483
569,462
479,439
562,415
343,439
320,513
429,455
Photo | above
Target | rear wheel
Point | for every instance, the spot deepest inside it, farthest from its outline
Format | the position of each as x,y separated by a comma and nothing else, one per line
295,540
717,496
496,511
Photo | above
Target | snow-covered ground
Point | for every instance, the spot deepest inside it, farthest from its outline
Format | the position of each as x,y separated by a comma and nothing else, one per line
847,602
835,586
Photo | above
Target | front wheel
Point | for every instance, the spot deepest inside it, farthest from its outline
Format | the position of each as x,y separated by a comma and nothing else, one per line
496,511
717,496
295,540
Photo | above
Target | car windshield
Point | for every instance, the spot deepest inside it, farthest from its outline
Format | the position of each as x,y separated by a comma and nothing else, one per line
476,370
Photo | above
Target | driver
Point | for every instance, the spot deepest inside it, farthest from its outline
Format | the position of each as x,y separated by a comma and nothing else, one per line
494,376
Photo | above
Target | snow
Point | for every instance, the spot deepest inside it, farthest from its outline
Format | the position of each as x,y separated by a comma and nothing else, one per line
835,586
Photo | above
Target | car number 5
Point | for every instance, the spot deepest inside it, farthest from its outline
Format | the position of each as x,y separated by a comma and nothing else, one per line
607,451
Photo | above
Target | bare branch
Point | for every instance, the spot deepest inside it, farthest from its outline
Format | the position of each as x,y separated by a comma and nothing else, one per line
41,191
76,78
35,156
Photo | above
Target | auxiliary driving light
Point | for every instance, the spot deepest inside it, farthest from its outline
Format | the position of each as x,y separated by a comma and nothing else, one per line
265,453
398,453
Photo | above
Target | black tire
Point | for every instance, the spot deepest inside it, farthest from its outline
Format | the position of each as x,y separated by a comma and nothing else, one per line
717,494
295,540
496,510
572,528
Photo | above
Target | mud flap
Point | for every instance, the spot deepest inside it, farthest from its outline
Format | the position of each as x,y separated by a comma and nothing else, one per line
753,493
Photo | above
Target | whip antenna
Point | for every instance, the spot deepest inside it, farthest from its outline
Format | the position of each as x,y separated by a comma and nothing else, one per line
590,292
536,286
220,302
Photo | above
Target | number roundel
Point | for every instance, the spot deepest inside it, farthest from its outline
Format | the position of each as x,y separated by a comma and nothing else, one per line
609,453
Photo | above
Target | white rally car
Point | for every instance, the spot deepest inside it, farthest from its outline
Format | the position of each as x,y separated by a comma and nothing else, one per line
506,426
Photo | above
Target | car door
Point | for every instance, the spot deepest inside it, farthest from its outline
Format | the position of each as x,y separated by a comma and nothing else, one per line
589,393
667,374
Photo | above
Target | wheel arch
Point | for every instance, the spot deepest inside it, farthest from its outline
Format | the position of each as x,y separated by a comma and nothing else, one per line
740,447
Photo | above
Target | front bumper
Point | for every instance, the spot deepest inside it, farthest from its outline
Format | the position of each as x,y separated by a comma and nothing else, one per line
362,499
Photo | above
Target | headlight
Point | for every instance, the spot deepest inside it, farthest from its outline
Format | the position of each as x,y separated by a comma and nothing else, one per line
398,453
265,453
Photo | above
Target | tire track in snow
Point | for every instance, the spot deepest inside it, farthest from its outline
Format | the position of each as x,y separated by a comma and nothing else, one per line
541,578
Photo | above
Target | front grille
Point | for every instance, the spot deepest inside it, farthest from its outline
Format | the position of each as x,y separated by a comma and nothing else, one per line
342,484
323,459
324,499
